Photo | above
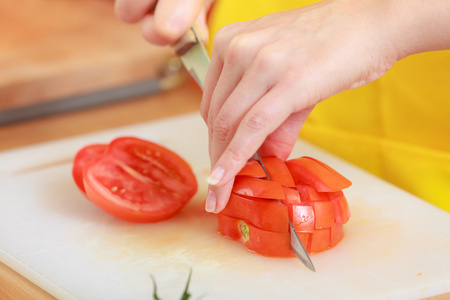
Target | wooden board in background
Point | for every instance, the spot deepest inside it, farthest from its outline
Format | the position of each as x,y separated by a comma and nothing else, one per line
56,49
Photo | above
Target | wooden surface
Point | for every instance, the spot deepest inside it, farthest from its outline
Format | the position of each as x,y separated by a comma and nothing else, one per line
50,50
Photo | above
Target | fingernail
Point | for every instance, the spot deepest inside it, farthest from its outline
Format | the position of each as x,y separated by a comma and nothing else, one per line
211,201
215,176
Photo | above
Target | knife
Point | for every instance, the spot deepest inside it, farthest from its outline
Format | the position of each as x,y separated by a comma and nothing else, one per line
196,60
296,244
193,54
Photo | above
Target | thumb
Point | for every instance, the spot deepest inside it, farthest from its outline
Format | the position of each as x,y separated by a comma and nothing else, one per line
170,20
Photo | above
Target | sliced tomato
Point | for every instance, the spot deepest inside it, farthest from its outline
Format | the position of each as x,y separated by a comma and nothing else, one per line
292,196
255,187
278,171
264,242
341,209
320,240
312,196
253,169
81,158
271,215
337,233
324,212
139,181
309,171
302,217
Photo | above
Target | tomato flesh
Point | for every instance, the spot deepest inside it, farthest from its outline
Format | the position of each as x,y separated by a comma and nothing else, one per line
313,202
138,181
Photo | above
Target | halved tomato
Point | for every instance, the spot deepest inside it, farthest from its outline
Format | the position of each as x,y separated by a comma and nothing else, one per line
138,181
81,158
304,190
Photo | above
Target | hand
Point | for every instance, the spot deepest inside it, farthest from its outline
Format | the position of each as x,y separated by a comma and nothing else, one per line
164,21
266,75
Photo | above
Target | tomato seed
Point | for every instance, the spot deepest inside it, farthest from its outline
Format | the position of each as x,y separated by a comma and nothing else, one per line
114,189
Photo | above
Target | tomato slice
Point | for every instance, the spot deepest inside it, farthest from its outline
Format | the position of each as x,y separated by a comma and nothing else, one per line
312,196
341,210
324,212
302,217
320,240
337,233
139,181
253,169
255,187
292,196
265,214
264,242
309,171
80,160
278,171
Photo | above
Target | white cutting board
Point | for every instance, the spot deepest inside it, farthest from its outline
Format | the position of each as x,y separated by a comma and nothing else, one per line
396,246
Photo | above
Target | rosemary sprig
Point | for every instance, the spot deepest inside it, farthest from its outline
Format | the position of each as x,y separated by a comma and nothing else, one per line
185,296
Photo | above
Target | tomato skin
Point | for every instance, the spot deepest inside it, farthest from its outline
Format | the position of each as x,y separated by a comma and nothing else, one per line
138,181
255,187
314,202
272,215
253,169
278,171
309,171
264,242
81,159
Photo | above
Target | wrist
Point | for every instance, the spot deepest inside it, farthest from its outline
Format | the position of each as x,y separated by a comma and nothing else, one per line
415,26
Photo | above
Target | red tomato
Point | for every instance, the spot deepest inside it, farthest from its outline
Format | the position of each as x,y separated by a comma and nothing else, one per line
264,242
81,158
304,190
309,171
255,187
271,215
138,181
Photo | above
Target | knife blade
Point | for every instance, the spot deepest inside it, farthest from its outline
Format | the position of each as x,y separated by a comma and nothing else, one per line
296,245
193,54
196,60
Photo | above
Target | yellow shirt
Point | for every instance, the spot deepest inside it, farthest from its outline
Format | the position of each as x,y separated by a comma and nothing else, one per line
397,127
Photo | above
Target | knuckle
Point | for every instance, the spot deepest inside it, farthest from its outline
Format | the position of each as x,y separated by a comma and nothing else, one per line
222,129
223,36
267,59
240,46
256,122
235,154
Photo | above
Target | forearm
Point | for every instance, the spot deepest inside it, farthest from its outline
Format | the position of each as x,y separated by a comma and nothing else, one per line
418,25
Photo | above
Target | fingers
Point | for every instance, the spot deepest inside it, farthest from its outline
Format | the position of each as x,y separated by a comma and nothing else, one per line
255,126
163,21
132,11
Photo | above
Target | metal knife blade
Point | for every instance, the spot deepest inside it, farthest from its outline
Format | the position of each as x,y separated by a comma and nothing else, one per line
296,244
193,55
